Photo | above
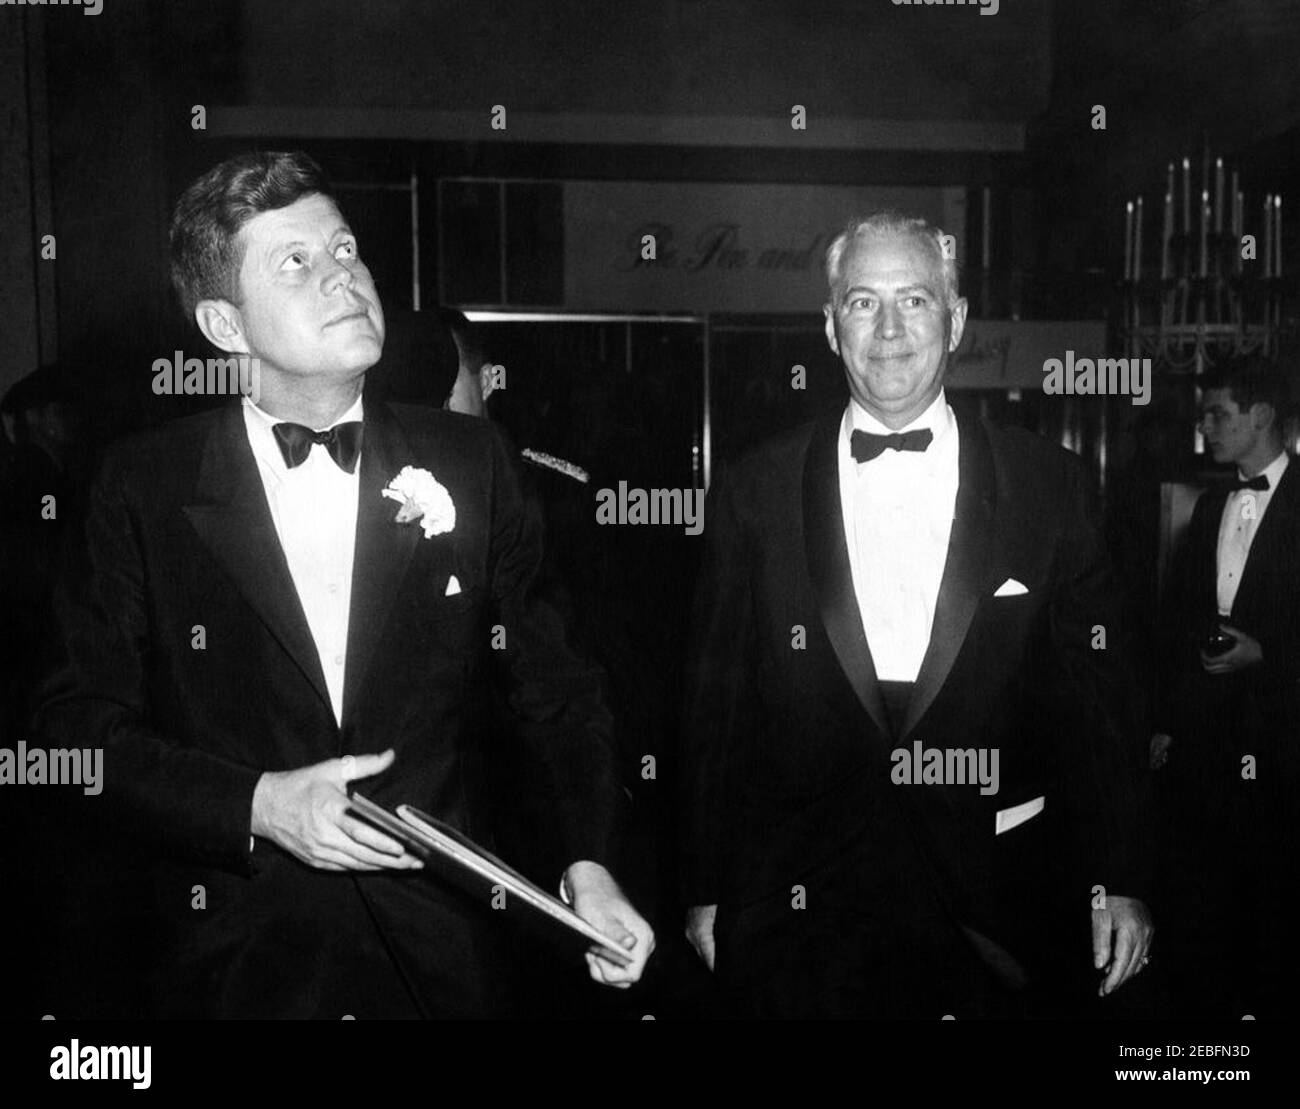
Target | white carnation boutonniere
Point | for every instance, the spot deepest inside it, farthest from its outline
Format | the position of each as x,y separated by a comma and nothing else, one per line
423,498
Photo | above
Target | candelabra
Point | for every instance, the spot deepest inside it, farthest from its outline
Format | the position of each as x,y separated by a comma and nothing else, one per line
1219,290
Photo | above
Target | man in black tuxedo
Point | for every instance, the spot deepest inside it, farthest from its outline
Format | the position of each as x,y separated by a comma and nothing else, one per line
968,605
252,623
1227,748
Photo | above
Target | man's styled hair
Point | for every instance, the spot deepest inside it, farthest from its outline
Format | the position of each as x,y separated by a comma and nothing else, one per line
205,252
468,338
1251,379
891,222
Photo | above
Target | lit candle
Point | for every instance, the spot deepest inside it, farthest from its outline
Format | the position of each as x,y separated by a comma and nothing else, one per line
1238,223
1277,233
1205,222
1137,243
1205,170
1168,232
1218,196
1128,240
988,205
1268,236
1187,196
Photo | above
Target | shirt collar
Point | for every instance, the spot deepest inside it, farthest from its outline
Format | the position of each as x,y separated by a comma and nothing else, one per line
259,423
937,417
1273,471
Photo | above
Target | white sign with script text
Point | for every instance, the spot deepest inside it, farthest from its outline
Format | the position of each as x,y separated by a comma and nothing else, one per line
720,247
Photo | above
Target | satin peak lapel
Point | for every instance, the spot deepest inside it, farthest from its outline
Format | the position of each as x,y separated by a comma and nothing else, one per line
383,546
827,554
233,520
1272,546
966,571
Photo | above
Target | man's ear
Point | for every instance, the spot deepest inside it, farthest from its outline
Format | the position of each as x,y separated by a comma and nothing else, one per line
222,325
957,317
1262,414
829,312
485,383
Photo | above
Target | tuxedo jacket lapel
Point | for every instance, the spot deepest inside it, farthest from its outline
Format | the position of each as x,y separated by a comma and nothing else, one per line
383,547
1195,569
829,570
233,520
1270,549
966,571
969,566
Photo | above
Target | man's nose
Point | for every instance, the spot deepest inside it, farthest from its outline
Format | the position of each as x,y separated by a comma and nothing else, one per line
890,321
337,276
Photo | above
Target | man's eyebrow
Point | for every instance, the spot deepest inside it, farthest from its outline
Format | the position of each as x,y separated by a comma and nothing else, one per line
279,248
298,244
921,287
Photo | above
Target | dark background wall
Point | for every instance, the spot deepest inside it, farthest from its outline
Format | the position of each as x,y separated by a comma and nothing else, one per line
97,115
97,136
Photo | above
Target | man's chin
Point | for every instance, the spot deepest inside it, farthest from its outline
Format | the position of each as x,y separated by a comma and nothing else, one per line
898,396
334,370
356,357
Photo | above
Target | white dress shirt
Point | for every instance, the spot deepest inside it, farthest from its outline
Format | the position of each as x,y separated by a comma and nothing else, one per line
314,507
1237,528
897,519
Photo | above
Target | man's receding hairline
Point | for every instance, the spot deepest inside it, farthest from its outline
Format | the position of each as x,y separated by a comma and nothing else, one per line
916,233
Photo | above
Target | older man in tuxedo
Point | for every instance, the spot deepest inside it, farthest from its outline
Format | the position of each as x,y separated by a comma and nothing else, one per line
885,583
251,624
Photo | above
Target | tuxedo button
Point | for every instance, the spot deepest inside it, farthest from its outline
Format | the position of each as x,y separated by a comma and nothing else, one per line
338,660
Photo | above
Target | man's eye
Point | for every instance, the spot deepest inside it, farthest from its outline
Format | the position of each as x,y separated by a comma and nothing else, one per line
916,301
862,302
346,249
295,261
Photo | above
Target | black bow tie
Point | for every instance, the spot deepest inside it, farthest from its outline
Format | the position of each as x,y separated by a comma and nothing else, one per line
1259,483
866,446
343,441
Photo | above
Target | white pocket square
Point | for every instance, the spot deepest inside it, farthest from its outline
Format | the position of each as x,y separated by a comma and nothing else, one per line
1010,588
1018,814
453,586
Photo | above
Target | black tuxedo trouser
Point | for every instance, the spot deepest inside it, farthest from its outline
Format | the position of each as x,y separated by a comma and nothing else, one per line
871,941
389,950
873,954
